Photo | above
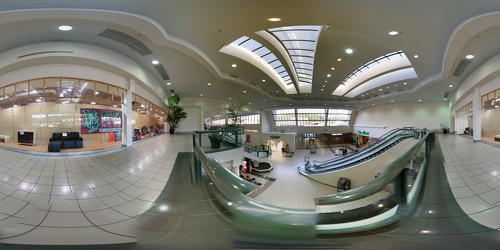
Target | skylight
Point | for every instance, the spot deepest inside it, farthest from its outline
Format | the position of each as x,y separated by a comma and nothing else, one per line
380,71
255,53
299,43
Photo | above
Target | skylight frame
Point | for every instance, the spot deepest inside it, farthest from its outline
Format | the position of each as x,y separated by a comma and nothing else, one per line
249,50
295,40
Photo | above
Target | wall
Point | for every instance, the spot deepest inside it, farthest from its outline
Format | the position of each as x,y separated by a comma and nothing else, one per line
380,120
193,121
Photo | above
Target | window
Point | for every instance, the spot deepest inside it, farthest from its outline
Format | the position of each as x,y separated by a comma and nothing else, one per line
338,117
284,117
311,117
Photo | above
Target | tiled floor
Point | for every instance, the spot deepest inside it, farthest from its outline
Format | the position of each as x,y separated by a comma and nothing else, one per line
473,171
83,198
102,197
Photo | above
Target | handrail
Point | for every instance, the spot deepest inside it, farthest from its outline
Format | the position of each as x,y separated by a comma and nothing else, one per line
376,185
368,150
250,216
257,221
354,159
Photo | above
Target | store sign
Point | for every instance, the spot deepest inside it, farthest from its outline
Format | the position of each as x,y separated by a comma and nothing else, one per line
100,120
363,132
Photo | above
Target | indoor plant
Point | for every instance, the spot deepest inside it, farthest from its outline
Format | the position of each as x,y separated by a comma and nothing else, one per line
175,113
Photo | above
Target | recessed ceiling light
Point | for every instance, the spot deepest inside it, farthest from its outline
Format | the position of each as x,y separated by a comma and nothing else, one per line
92,103
419,100
201,94
96,93
451,86
333,68
339,59
321,89
393,33
65,28
277,91
155,62
244,91
415,56
392,100
328,75
379,89
234,65
168,83
274,19
263,80
209,84
348,51
469,56
229,98
404,83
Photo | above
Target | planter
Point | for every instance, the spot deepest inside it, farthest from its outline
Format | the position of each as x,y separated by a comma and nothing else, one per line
171,131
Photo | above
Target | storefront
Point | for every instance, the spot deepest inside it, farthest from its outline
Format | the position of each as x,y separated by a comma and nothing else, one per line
39,111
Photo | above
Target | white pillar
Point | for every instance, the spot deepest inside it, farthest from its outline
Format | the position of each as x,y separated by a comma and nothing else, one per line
476,115
127,115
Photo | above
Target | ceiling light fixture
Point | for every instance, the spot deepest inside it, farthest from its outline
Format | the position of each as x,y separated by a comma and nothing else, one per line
348,51
333,68
234,65
451,86
339,59
415,56
155,62
274,19
328,75
393,33
470,56
168,83
65,28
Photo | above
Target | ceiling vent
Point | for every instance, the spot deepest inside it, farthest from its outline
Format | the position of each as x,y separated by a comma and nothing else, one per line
461,67
446,94
162,72
127,40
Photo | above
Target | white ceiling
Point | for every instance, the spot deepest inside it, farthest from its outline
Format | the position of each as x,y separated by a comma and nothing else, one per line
186,37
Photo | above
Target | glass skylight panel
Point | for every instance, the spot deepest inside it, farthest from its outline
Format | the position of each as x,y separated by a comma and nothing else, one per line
268,63
300,42
386,69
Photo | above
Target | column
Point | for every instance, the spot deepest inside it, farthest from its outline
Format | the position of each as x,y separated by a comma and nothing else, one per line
128,130
476,115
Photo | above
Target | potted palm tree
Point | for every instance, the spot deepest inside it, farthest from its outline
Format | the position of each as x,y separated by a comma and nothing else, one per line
175,113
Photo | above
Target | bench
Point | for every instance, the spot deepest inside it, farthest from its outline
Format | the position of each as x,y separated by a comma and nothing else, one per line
4,138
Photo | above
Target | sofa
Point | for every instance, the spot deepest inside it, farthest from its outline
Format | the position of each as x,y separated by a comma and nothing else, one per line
65,140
